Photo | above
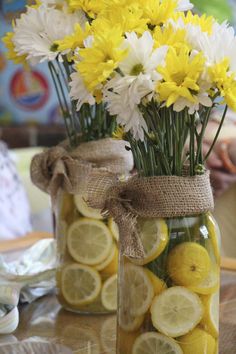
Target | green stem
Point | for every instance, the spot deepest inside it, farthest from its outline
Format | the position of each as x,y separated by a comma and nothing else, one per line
192,146
217,133
65,113
201,136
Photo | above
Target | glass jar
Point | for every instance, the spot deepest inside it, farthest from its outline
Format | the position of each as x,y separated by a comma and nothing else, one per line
169,301
87,257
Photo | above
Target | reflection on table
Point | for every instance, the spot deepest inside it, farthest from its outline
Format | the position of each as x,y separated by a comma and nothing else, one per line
44,320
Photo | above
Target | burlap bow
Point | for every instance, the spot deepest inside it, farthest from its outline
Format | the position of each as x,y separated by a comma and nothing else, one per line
62,168
149,197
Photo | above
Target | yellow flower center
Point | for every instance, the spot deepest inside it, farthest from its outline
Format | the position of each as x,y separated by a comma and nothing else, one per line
137,69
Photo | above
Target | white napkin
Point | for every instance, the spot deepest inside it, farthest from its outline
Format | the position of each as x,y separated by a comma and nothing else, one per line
25,280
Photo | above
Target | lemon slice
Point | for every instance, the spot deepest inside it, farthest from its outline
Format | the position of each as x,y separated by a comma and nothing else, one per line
80,285
113,228
84,209
109,293
153,343
154,236
108,335
188,264
89,241
138,290
128,322
210,284
176,311
197,342
210,321
110,265
158,284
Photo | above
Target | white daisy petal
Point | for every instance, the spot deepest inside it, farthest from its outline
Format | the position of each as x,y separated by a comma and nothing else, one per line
79,92
184,5
123,96
36,31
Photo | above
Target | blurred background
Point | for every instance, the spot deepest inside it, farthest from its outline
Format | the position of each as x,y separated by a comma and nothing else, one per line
30,120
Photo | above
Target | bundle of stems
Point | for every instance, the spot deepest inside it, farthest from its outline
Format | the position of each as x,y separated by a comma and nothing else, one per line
174,140
91,122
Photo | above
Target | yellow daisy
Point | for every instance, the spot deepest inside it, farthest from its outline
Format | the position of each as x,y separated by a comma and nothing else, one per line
99,61
90,7
11,53
169,36
204,21
129,17
158,12
75,40
225,82
180,76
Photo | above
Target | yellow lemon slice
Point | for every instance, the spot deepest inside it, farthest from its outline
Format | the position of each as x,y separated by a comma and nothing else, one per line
154,236
153,343
128,322
176,311
110,265
188,264
210,321
213,243
109,293
108,335
158,284
210,284
113,228
89,241
80,285
138,290
197,342
85,210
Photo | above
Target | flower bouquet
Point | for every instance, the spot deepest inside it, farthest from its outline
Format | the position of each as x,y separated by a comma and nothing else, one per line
160,70
54,32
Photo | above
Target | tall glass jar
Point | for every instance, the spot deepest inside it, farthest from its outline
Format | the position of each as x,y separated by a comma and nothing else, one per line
87,257
169,301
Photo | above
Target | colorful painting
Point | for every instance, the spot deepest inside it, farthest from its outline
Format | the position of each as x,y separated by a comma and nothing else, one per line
29,89
25,96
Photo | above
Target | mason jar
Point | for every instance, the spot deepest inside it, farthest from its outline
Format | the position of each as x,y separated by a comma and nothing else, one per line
169,301
87,256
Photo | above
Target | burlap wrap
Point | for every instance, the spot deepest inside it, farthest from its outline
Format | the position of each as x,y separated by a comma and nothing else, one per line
61,168
149,197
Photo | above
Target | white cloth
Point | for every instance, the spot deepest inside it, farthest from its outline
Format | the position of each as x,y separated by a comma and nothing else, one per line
14,206
25,280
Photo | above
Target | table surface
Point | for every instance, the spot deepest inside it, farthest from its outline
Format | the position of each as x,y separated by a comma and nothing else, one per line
45,320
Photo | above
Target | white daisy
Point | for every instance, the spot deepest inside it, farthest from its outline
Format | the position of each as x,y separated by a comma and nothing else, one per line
184,5
142,58
219,45
201,99
79,92
37,30
123,95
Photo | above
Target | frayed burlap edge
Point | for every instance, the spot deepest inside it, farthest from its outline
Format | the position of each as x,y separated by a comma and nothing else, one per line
61,168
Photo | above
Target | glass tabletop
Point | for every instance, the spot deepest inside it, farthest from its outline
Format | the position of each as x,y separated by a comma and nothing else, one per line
46,328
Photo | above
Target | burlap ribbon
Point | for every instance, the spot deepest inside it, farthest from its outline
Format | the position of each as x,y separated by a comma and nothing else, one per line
149,197
61,168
